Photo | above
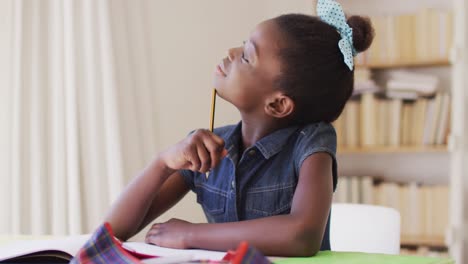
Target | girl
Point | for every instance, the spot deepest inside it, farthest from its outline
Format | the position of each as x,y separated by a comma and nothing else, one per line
271,176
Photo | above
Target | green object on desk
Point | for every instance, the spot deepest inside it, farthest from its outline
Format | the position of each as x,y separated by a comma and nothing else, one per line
334,257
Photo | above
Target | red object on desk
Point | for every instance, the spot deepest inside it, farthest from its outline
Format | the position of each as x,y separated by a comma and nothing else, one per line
246,254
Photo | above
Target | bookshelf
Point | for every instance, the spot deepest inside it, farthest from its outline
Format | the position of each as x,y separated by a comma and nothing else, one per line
427,241
433,162
392,149
405,64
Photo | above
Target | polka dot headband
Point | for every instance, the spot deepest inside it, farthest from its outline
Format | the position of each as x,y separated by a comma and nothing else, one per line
331,13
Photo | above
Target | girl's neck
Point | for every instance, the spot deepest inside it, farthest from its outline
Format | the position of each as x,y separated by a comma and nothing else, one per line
254,129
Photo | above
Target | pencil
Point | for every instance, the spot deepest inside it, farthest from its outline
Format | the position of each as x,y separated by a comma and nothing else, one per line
212,114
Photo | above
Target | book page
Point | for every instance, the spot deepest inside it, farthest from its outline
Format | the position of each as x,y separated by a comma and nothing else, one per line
69,245
196,254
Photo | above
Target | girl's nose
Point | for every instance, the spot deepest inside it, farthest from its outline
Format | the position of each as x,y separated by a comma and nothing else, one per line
231,54
234,53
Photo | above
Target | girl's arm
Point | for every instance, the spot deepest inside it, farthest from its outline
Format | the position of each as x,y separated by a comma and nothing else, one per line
143,200
172,191
159,186
298,234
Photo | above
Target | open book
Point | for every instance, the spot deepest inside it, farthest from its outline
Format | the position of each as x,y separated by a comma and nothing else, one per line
62,250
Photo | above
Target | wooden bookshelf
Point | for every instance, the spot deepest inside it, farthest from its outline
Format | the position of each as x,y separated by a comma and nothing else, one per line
384,57
392,149
407,64
434,241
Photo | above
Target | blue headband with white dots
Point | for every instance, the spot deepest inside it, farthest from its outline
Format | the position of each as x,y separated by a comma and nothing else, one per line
331,13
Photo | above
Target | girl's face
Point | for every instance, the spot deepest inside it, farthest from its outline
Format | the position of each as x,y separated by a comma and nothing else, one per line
246,77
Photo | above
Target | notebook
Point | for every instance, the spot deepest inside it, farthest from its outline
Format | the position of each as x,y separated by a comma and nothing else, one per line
62,250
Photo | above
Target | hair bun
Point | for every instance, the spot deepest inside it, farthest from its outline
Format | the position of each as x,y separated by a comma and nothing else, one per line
363,32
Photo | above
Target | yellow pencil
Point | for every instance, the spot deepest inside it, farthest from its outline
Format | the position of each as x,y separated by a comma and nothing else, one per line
213,103
212,116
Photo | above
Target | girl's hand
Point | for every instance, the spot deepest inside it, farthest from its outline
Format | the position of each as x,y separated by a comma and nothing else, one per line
200,151
171,234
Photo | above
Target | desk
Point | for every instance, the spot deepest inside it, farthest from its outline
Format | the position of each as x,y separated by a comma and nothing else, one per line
334,257
323,257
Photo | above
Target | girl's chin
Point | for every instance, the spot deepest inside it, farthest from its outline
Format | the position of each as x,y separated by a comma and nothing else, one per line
220,92
218,84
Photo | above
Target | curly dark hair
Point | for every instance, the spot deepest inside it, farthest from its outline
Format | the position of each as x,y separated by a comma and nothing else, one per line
313,71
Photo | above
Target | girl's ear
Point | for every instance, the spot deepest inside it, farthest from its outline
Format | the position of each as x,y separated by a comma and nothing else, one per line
279,106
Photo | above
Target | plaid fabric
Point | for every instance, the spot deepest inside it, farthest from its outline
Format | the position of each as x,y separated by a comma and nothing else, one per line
103,247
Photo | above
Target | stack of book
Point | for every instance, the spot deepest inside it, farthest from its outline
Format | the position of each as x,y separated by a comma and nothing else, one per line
409,85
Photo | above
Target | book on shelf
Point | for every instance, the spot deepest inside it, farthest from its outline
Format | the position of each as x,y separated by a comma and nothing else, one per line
372,120
443,123
351,124
423,208
420,109
367,194
425,36
368,113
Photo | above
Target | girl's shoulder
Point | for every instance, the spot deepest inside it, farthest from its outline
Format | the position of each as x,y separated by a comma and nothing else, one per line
317,135
319,129
313,138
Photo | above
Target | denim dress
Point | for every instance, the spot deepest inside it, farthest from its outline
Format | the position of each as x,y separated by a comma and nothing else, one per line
261,181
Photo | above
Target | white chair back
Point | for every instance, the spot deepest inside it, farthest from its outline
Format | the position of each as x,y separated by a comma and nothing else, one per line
364,228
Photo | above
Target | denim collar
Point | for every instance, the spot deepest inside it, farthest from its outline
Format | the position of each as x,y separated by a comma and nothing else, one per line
268,145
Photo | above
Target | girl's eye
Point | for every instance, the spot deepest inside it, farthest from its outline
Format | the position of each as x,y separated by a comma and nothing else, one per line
243,58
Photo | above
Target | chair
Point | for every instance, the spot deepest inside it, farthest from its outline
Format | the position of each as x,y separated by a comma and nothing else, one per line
364,228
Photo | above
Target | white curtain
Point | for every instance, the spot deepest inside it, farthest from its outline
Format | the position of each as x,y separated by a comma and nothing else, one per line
79,114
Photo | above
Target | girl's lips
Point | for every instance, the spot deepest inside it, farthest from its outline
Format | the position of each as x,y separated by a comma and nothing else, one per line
220,71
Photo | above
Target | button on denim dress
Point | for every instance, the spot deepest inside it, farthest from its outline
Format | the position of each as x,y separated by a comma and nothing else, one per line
261,181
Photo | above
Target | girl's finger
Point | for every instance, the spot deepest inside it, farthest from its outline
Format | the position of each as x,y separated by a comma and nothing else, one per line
215,150
152,233
217,139
193,158
204,157
153,240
